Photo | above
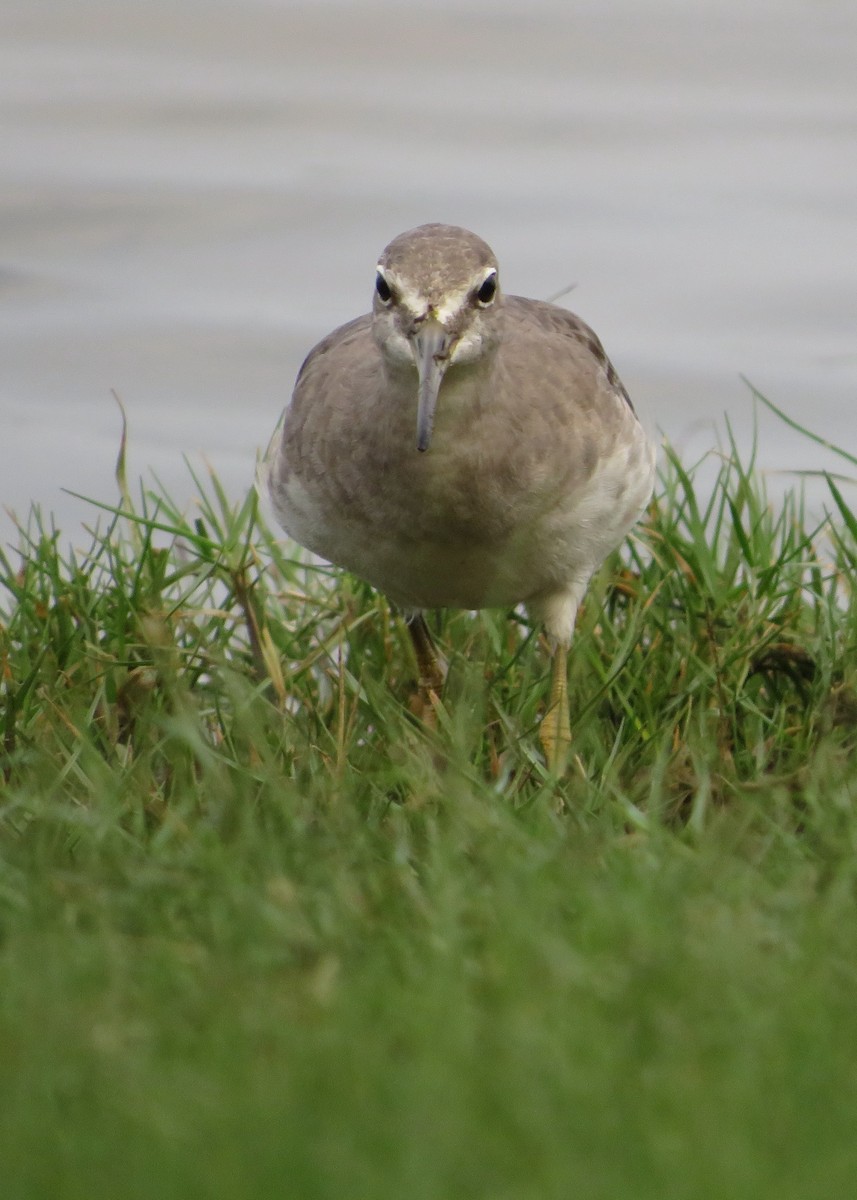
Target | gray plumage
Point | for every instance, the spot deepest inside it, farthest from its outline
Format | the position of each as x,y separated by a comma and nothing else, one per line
536,466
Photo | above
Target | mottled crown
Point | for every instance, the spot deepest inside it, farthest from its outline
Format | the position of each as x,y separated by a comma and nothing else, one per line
439,259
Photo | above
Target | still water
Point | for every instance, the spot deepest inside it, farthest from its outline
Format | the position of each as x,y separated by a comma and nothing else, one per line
192,192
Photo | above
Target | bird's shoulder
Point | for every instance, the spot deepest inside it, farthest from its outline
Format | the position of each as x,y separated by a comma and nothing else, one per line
562,333
549,320
340,343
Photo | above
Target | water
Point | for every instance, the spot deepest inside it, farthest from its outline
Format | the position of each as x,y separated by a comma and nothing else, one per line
193,192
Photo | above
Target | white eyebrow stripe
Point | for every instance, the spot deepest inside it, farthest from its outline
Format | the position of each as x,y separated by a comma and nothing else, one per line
417,304
414,301
452,304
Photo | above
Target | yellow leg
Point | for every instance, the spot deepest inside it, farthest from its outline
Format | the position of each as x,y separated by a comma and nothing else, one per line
432,670
555,731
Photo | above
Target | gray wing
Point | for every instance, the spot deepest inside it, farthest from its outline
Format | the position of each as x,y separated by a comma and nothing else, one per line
538,315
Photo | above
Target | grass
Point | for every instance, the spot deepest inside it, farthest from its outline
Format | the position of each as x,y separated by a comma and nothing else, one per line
262,935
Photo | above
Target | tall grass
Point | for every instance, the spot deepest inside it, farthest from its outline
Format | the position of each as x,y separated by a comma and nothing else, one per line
264,934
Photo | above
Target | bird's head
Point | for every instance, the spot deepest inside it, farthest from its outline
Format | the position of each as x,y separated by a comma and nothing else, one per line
437,298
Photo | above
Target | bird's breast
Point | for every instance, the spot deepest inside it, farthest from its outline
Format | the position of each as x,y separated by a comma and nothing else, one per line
503,505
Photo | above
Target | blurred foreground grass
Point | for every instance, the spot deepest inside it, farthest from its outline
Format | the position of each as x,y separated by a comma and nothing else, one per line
262,935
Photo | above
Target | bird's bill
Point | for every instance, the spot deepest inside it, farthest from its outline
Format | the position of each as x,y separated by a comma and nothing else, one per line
431,345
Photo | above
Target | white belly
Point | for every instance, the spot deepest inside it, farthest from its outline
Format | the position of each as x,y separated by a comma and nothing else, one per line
446,535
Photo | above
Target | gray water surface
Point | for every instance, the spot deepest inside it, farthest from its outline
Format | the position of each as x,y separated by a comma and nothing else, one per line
193,192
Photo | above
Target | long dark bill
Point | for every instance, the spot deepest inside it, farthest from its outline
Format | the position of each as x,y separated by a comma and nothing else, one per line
431,346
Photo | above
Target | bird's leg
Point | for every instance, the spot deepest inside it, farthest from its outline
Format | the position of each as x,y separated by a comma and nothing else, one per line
555,730
431,668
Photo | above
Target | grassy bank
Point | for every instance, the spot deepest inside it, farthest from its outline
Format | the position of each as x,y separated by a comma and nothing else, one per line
264,935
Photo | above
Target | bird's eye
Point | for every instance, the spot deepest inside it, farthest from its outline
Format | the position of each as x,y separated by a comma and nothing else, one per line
487,290
383,289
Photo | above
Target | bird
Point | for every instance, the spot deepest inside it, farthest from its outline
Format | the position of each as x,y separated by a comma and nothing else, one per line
462,448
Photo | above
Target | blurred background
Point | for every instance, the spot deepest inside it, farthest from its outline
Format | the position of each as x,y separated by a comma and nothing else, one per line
192,192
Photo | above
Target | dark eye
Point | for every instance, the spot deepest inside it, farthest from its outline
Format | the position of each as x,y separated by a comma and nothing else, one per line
488,289
385,292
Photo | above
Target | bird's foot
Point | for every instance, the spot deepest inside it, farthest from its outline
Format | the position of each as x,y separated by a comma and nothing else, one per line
555,736
555,730
425,704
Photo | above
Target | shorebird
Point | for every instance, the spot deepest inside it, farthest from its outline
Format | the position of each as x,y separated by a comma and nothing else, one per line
460,448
